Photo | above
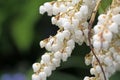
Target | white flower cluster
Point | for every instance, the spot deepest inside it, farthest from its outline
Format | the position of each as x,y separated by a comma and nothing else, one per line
71,17
106,43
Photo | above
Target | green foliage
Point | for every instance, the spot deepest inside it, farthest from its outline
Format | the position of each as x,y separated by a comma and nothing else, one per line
116,76
62,76
74,62
23,26
104,6
19,17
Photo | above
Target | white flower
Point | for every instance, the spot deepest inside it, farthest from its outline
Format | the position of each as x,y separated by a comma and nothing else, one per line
98,69
75,22
66,34
52,66
101,18
118,58
47,70
97,45
42,10
96,37
58,55
84,9
53,20
61,21
64,57
88,61
71,43
78,34
56,62
63,8
113,27
42,44
98,28
67,25
48,46
92,71
36,67
108,61
47,7
60,37
55,9
86,78
42,75
116,18
107,35
105,45
35,77
46,58
68,51
78,15
56,47
75,1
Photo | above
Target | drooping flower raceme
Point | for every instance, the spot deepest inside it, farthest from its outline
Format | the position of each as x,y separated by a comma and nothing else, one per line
71,17
106,43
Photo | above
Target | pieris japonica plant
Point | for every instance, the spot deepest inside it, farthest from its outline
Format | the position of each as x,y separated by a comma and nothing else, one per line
75,19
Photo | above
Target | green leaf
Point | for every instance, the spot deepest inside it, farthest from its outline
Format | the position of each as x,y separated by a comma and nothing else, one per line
2,19
116,76
74,62
23,25
104,6
62,76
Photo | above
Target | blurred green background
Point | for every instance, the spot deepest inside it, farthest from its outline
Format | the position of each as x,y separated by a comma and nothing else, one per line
21,29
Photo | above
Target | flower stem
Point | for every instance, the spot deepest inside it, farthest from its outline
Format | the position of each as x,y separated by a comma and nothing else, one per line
89,35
